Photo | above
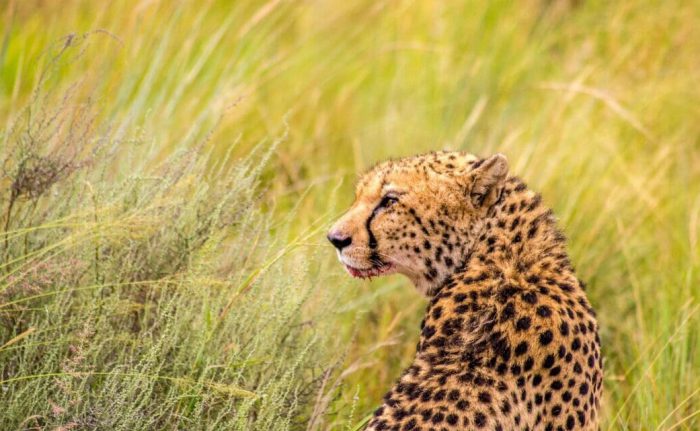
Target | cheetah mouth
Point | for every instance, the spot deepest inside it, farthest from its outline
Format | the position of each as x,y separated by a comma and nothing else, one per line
374,271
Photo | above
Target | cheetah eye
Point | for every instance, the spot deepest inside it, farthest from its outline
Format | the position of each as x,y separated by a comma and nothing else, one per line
387,201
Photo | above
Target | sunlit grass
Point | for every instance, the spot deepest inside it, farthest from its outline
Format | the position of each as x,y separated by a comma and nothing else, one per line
220,138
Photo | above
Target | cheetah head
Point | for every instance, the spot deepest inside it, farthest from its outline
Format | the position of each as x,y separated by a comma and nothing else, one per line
418,216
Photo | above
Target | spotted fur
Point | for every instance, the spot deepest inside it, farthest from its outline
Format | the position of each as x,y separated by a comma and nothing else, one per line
509,340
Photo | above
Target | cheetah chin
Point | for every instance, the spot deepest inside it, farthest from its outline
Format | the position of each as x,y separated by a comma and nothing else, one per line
374,271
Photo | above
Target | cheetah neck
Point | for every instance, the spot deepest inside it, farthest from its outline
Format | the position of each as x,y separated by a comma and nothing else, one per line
518,236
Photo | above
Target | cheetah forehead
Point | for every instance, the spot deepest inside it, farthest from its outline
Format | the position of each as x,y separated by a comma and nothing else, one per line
410,171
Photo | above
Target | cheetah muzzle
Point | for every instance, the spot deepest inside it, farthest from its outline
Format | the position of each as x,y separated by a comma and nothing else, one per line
509,340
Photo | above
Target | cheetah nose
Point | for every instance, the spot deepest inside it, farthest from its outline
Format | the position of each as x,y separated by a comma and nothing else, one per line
338,240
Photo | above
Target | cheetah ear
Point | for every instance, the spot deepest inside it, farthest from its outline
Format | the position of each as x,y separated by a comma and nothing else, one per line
488,180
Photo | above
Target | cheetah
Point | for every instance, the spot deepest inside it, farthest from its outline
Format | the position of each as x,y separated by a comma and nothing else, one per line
509,340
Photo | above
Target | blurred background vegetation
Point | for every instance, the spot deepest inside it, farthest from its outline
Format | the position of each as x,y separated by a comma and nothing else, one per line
169,168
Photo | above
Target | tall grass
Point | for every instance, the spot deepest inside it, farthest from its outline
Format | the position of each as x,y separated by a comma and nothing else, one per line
147,294
169,168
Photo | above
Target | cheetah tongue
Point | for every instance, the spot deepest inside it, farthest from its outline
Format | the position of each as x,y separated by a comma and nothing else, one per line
370,272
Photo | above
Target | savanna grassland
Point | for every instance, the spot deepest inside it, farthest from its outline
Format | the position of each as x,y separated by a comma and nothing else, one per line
168,170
